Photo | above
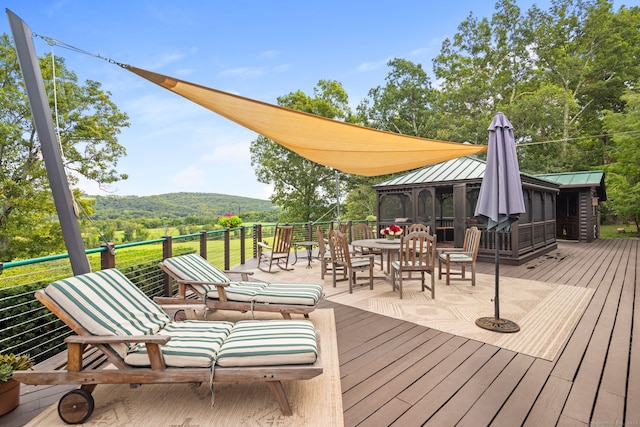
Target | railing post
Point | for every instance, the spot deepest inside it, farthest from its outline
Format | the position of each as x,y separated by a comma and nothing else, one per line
242,244
257,237
203,244
167,252
227,249
108,256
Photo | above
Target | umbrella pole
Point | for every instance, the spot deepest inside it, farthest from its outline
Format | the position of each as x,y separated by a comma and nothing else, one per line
496,299
495,323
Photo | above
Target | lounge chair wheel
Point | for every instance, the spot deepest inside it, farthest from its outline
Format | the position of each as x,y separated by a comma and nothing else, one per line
180,315
76,406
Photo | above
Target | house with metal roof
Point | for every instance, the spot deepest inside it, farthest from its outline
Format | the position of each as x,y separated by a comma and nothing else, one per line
444,196
577,212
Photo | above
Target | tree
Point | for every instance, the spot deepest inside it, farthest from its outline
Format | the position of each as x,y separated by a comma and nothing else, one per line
623,173
305,190
586,55
404,104
482,70
88,124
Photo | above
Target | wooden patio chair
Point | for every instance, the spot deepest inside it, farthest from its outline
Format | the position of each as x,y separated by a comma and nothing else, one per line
362,231
461,257
279,251
215,289
324,255
417,254
350,265
143,345
417,227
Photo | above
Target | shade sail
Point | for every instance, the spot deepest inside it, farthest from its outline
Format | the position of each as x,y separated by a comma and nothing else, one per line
346,147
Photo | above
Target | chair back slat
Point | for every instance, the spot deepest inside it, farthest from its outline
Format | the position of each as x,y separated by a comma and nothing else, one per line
417,227
339,248
472,240
282,238
361,231
417,251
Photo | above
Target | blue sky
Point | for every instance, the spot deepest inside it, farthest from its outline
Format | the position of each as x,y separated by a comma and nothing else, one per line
257,49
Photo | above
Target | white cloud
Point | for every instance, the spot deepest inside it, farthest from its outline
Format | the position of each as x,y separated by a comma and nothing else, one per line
189,177
269,53
370,66
251,72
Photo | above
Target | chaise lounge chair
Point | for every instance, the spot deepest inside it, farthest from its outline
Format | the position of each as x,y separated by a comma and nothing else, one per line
144,346
218,291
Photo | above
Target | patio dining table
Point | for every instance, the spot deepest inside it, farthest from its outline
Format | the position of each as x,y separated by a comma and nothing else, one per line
389,247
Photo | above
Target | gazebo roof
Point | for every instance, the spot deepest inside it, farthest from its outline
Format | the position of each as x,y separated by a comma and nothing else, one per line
583,179
466,168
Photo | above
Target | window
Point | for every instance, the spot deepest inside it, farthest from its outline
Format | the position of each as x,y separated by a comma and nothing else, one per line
549,206
538,206
425,206
394,206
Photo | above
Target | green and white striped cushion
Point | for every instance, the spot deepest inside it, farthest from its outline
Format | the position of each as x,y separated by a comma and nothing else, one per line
194,267
105,302
269,342
459,257
193,344
294,293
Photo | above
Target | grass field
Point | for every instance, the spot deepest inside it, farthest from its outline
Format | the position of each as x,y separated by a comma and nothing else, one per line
611,231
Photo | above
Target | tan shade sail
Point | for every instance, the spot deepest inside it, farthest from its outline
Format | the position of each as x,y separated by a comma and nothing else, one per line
349,148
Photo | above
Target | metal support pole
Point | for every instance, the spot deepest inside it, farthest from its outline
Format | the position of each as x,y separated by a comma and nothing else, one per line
39,103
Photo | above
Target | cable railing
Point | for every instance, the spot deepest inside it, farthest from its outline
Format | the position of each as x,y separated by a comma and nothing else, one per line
27,327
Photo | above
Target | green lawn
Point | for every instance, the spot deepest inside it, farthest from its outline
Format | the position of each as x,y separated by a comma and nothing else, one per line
611,231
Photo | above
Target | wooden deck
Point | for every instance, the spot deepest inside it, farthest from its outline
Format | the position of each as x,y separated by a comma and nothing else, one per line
399,373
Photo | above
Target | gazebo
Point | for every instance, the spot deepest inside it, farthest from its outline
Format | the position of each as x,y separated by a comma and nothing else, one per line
444,196
578,213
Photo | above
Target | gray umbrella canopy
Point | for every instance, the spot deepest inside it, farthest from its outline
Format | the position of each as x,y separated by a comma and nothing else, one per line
500,202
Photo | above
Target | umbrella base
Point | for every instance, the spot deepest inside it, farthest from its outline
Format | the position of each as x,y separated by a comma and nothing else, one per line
497,325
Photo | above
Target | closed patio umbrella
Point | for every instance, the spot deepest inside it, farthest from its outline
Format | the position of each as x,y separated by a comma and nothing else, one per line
500,202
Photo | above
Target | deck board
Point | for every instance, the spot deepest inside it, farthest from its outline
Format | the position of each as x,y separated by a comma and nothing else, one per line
398,373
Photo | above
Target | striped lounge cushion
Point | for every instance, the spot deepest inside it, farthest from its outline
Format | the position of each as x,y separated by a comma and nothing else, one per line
194,267
193,344
269,342
105,302
295,293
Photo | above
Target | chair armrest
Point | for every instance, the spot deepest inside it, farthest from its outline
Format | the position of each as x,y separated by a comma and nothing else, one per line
77,343
117,339
202,282
444,250
244,275
264,245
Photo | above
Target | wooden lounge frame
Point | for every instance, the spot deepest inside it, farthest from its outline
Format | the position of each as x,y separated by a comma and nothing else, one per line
189,298
158,373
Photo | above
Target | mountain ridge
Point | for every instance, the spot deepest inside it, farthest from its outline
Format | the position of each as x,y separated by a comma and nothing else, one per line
176,205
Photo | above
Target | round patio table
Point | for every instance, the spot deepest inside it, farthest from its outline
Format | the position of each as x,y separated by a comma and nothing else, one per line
389,247
309,245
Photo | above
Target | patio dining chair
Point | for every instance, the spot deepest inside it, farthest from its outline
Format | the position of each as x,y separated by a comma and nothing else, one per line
363,231
461,257
324,255
417,254
350,265
277,253
417,227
